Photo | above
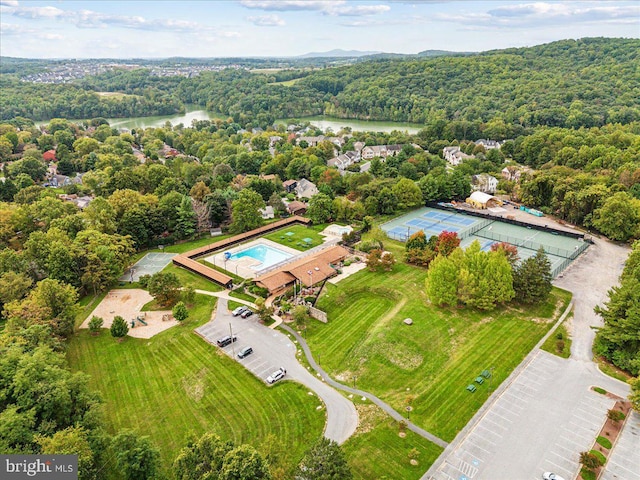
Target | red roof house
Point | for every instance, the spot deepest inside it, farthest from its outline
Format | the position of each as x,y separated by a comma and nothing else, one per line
49,156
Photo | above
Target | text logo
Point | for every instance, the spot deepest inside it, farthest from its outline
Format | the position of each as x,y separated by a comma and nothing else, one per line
49,467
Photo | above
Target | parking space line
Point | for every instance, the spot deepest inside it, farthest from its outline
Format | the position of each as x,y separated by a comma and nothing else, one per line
486,418
560,467
624,468
479,447
489,431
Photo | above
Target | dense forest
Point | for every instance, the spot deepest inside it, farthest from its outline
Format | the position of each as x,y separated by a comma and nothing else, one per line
570,84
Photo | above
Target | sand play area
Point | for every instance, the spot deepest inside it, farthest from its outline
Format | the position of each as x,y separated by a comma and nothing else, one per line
128,304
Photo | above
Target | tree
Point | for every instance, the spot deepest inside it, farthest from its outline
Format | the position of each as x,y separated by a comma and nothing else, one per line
447,243
201,459
511,251
188,295
245,211
180,312
119,327
408,193
619,217
136,457
532,279
589,460
244,463
263,312
373,259
615,416
186,220
218,208
199,191
442,281
324,461
60,300
71,441
319,210
276,202
95,324
165,288
387,261
417,240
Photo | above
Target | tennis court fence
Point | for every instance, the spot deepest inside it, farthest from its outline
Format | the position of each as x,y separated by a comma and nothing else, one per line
531,245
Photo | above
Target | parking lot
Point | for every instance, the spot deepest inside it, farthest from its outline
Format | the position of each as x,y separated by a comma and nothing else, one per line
624,463
496,446
263,361
272,350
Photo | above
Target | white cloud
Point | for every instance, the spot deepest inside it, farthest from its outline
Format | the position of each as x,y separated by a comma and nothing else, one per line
9,3
333,8
13,29
542,13
267,21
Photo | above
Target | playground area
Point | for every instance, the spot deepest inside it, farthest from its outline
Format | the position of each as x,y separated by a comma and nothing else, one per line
128,304
148,265
560,249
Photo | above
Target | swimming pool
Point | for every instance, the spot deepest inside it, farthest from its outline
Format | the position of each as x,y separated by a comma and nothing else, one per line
265,254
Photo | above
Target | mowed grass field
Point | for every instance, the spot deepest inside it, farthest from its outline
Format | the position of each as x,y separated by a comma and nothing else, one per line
377,449
300,232
176,384
428,364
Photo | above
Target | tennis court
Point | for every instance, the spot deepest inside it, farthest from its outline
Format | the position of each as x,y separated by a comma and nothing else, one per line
560,249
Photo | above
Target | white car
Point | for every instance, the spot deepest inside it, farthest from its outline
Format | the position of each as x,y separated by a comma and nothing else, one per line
551,476
277,375
239,310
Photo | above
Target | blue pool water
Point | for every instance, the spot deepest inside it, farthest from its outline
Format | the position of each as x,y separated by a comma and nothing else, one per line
265,254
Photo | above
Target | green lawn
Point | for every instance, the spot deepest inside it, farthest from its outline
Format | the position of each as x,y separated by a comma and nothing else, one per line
378,451
176,384
430,362
190,279
300,232
559,342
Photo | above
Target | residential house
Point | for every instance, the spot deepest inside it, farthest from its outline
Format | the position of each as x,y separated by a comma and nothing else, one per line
49,156
273,140
484,183
358,146
488,144
289,186
382,151
311,141
267,212
341,162
297,208
80,202
454,155
305,188
514,172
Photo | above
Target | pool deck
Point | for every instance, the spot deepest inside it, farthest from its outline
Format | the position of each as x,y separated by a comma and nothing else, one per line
247,267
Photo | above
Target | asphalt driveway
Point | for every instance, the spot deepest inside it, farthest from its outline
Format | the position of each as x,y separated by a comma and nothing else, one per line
272,350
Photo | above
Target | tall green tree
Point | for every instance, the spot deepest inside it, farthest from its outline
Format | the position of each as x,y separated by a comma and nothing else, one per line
119,327
245,211
202,459
187,220
619,217
442,280
324,461
165,288
244,463
532,278
319,210
136,457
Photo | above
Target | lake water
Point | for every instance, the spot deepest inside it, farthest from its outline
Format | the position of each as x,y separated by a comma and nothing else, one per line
194,112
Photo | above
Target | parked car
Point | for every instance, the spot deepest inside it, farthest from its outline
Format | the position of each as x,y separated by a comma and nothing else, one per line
277,375
224,341
551,476
239,310
247,313
244,352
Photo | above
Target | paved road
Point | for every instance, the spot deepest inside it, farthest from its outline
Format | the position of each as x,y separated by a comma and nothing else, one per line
624,462
545,413
273,350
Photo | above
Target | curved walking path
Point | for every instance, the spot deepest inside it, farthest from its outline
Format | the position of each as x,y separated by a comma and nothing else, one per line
384,406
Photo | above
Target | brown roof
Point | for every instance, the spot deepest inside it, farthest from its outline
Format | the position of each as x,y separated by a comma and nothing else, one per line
319,265
288,183
207,272
296,206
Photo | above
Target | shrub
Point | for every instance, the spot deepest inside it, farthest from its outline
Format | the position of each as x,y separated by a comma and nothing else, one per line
95,324
559,336
601,391
560,346
605,442
615,415
367,246
600,456
144,280
589,460
587,474
119,327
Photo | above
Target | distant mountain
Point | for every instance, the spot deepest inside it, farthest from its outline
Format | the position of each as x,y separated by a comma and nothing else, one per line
337,53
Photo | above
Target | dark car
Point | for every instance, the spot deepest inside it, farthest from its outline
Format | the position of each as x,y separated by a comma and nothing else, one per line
224,341
245,351
246,313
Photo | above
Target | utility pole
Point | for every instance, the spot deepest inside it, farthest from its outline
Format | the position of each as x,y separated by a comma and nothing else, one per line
233,348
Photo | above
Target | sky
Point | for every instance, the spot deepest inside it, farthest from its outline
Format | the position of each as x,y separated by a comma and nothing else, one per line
282,28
